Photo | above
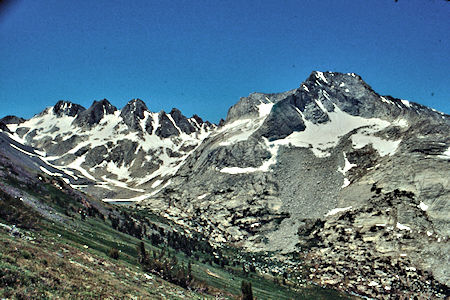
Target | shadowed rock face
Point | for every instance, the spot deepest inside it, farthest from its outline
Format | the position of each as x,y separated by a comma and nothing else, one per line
4,127
12,120
166,127
283,120
133,113
95,113
181,121
67,108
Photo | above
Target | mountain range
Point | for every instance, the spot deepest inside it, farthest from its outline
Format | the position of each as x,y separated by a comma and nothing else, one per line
353,183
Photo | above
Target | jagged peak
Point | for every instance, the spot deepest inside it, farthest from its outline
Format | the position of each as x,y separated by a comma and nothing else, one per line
103,103
12,120
135,107
63,107
95,113
197,119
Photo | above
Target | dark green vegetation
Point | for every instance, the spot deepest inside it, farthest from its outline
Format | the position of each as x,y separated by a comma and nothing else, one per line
72,246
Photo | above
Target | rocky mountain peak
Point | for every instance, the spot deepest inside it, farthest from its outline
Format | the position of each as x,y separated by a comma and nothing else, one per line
133,113
181,121
135,107
95,113
12,120
67,108
166,126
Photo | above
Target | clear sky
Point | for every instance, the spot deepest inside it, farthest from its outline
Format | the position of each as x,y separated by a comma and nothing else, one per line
201,56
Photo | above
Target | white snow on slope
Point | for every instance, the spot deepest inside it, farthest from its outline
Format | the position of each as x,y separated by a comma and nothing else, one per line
264,109
202,196
445,154
242,129
347,165
337,210
121,172
403,227
384,147
156,183
406,103
134,199
111,128
385,100
23,151
49,172
321,76
423,206
346,183
76,165
321,137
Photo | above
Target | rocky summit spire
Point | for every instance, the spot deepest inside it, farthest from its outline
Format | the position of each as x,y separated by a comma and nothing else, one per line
181,121
95,113
67,108
166,126
133,113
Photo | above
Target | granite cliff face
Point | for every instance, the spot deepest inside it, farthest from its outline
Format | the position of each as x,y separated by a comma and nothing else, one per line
331,171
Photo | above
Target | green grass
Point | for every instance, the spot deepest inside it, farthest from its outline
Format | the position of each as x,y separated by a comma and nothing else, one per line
95,236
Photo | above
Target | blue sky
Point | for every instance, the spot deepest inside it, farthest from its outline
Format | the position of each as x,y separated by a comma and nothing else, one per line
201,56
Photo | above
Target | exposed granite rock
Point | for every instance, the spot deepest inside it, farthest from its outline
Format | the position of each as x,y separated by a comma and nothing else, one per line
380,250
94,114
166,127
133,113
4,127
12,120
67,108
182,122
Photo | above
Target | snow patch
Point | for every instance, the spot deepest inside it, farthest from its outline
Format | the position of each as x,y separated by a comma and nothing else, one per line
423,206
156,183
321,76
264,109
346,183
406,103
337,210
347,165
49,172
134,199
121,172
403,227
202,196
385,100
321,137
445,154
402,123
384,147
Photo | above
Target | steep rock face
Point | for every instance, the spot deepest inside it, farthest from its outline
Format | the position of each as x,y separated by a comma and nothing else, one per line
137,116
167,127
282,158
12,120
3,127
94,114
67,108
182,122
